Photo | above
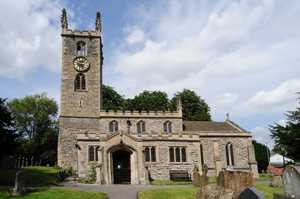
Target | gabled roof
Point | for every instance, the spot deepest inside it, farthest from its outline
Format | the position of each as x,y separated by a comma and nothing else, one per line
211,126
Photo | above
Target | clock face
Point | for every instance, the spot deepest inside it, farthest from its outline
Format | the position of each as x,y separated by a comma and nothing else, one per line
81,64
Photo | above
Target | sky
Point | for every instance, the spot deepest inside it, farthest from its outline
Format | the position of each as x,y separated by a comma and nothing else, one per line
241,56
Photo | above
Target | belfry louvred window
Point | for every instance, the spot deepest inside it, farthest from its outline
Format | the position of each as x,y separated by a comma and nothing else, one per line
81,49
80,82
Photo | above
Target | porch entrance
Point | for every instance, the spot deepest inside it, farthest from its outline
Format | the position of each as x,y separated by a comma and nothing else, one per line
121,167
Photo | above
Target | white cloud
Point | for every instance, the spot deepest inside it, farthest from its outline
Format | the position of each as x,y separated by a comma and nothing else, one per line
30,36
284,94
135,35
262,135
227,51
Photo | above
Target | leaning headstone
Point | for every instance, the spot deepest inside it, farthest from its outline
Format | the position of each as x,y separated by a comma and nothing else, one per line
203,178
196,176
291,181
19,188
236,181
276,181
250,193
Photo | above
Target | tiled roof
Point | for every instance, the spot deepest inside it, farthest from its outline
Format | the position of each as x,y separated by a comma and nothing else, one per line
208,126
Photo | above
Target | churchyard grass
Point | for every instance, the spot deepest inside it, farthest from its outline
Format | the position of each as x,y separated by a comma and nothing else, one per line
189,192
169,193
57,193
267,190
170,182
32,176
264,177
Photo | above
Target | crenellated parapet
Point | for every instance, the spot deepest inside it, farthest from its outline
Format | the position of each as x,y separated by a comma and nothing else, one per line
141,114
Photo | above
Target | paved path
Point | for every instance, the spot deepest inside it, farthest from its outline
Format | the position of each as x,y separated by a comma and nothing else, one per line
117,191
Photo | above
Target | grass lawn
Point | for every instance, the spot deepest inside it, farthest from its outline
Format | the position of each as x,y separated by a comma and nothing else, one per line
56,193
189,192
170,182
268,191
33,176
264,177
169,193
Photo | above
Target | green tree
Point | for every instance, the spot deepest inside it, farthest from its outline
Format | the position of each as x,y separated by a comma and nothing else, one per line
194,108
149,101
287,137
7,130
262,155
112,100
36,123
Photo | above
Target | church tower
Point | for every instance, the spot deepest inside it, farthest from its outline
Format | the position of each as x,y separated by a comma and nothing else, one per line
81,78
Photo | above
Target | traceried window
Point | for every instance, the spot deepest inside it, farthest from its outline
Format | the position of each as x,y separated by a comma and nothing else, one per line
171,154
150,154
80,82
177,154
141,127
81,49
229,154
93,153
113,126
201,154
168,127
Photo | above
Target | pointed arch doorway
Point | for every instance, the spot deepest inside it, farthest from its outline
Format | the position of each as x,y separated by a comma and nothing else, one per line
121,166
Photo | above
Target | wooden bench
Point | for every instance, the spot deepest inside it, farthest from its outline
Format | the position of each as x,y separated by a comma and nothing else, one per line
180,175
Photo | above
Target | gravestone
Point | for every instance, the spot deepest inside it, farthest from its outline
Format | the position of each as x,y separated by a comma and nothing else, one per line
196,176
276,181
250,193
19,188
291,181
203,178
236,181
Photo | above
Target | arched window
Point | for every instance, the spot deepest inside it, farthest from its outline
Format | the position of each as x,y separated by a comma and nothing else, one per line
153,154
147,154
183,155
177,154
80,82
150,154
201,154
81,49
113,126
93,153
168,127
141,127
171,154
229,154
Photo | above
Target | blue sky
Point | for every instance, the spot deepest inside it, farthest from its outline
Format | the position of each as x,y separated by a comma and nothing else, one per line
241,56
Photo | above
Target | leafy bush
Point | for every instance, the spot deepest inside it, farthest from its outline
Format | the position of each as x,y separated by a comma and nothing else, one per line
63,174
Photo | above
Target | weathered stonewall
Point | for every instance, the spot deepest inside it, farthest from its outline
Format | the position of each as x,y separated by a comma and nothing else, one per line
276,181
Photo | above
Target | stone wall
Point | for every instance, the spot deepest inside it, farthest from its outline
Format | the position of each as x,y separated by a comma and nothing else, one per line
87,102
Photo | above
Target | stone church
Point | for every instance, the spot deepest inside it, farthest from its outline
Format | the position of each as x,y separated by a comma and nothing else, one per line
132,146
